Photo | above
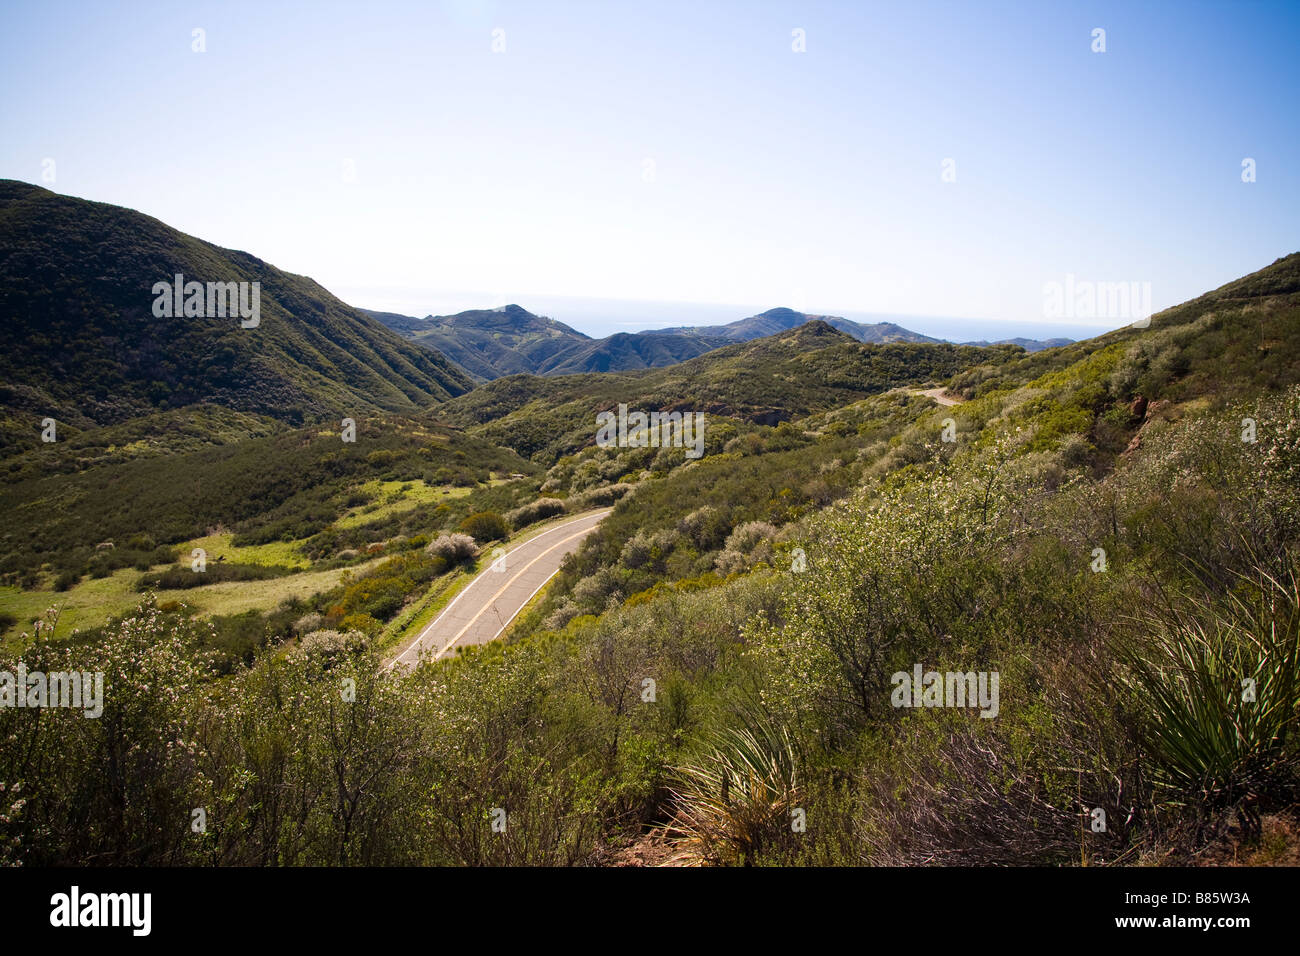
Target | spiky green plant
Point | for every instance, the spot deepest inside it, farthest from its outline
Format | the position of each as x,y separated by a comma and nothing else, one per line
737,796
1193,676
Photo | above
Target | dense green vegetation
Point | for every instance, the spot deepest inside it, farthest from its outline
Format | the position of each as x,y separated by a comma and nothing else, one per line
510,340
1113,531
160,433
809,369
490,343
183,578
290,485
80,342
679,521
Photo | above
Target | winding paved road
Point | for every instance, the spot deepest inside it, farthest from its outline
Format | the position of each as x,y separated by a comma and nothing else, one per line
481,611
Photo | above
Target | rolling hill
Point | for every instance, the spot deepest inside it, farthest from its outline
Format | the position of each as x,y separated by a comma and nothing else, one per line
809,368
782,319
493,343
625,351
828,534
80,340
489,343
1029,345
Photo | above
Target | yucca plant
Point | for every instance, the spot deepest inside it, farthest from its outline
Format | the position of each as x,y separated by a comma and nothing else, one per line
737,796
1218,691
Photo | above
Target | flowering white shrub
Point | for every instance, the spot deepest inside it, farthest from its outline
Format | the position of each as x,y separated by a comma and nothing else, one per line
453,547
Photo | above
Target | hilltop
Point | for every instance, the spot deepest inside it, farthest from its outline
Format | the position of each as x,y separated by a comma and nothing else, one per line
811,367
494,343
80,341
489,343
1087,523
782,319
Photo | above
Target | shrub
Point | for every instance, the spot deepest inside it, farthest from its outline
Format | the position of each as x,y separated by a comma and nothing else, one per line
176,579
1211,743
706,527
361,623
747,544
644,549
453,547
561,616
323,650
735,800
601,497
1075,451
949,791
534,511
593,591
746,537
308,623
485,526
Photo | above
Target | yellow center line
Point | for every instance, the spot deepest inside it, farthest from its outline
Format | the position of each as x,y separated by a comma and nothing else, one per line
414,646
504,587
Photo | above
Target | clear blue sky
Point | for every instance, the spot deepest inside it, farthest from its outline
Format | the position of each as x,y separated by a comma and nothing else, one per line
779,178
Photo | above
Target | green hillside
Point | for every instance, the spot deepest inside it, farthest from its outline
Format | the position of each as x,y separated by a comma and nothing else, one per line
1093,525
490,343
287,485
626,351
810,368
493,343
80,342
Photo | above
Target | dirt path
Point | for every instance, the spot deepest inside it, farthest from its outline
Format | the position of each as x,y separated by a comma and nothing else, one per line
940,395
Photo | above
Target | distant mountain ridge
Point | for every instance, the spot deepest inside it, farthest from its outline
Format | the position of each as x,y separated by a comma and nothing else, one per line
783,319
493,343
1029,345
489,343
810,367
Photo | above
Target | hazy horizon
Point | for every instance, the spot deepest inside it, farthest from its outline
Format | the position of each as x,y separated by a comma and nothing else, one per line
932,159
295,584
600,317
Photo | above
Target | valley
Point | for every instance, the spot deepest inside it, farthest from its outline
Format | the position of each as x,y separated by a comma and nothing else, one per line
682,643
494,343
483,449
